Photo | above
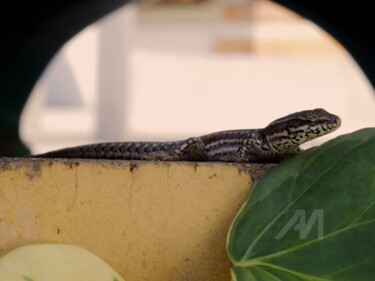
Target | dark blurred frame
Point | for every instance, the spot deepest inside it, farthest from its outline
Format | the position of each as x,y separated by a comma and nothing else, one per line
33,31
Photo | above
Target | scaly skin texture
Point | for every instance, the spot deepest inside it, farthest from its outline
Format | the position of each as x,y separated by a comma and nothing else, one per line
279,140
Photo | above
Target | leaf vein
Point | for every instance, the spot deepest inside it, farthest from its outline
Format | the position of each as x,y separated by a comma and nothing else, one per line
351,266
338,160
298,274
349,227
268,273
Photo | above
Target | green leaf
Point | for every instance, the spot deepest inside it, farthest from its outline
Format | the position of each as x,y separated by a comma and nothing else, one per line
312,217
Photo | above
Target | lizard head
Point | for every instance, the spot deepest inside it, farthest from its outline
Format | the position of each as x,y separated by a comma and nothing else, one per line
286,134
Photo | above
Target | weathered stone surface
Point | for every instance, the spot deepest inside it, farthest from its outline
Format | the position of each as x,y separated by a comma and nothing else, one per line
148,220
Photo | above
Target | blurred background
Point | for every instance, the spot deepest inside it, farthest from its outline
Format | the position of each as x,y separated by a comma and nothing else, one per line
169,70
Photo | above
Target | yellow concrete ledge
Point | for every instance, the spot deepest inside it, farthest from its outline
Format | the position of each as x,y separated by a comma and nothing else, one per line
148,220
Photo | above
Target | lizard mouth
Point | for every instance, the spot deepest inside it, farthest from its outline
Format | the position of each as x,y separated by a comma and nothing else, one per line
337,124
332,125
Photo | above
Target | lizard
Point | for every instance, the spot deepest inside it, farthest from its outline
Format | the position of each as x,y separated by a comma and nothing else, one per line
272,144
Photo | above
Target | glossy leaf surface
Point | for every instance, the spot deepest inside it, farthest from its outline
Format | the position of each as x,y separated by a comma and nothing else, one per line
312,217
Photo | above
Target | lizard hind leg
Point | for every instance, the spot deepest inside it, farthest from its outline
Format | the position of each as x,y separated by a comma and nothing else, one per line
193,149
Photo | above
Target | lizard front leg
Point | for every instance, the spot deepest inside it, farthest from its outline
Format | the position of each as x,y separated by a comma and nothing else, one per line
247,145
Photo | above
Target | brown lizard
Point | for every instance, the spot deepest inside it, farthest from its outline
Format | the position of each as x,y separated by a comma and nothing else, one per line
279,140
